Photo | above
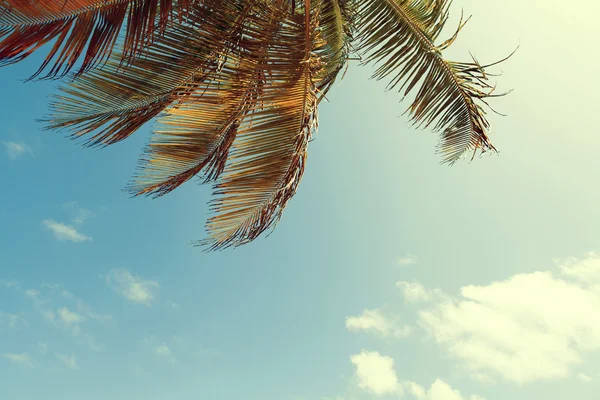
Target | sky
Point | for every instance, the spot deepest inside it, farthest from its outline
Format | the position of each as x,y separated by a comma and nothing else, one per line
390,275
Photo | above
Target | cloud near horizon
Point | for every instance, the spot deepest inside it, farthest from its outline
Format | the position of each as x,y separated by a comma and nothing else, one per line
504,330
375,374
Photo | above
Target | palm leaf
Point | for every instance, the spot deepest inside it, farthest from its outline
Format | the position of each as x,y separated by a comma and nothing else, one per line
400,36
236,85
81,26
269,153
336,22
197,134
115,101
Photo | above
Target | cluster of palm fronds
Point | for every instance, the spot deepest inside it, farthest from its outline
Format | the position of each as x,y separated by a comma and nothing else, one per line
236,84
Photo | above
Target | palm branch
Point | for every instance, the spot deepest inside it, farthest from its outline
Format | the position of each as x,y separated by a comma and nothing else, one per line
236,85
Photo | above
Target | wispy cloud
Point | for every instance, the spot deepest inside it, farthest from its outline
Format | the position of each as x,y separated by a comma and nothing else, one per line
584,270
132,287
80,214
70,320
70,232
374,321
82,307
18,149
415,292
22,359
69,361
12,320
163,350
64,317
173,305
407,260
64,232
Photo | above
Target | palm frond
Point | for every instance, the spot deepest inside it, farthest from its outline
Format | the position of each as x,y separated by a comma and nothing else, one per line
81,27
197,134
336,23
115,101
268,156
236,85
400,36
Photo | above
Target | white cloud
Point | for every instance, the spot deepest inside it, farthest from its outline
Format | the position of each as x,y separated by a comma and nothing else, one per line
530,327
414,389
64,318
376,373
584,378
414,292
163,350
17,149
408,260
64,232
374,321
133,288
68,361
439,390
586,270
22,359
70,320
69,317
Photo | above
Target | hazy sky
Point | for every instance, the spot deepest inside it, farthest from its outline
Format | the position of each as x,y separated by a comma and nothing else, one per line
390,276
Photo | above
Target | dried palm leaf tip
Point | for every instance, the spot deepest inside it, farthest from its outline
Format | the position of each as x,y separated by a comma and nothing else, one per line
236,84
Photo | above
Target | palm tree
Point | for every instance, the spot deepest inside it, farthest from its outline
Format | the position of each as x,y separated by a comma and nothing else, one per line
236,84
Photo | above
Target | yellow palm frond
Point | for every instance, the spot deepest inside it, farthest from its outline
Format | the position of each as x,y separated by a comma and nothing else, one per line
114,101
235,86
269,154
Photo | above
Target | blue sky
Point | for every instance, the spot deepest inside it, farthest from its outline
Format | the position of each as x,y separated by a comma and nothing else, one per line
389,275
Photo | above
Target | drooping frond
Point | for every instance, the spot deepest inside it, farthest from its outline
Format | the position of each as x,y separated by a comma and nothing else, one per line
114,101
81,27
400,36
236,84
336,23
268,157
197,134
